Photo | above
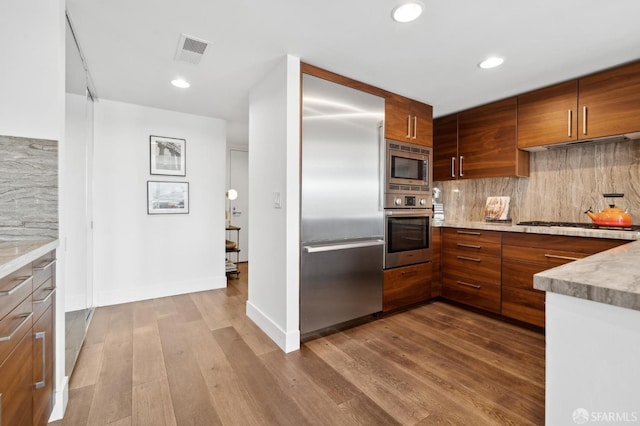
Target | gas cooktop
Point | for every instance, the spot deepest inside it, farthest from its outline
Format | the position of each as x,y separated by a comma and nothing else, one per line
579,225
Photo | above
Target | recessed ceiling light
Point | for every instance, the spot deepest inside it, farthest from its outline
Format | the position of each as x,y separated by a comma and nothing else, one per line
407,12
491,62
178,82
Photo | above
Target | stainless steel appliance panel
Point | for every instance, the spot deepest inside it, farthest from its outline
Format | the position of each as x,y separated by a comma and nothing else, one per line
342,162
341,282
407,237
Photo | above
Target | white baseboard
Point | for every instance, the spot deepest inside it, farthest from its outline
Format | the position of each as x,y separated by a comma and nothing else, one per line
60,400
135,294
288,342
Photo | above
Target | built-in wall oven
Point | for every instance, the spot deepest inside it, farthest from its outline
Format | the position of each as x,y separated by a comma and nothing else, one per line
408,204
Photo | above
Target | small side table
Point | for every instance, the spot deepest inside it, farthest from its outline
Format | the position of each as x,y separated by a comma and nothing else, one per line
230,267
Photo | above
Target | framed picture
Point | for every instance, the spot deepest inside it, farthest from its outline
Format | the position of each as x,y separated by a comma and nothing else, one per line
167,197
168,156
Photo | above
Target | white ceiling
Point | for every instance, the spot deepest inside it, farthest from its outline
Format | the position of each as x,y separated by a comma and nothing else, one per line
129,46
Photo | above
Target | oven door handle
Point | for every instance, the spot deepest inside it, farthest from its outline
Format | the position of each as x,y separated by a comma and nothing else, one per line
343,246
408,213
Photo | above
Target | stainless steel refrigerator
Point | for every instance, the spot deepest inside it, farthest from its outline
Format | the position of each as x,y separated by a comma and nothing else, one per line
341,204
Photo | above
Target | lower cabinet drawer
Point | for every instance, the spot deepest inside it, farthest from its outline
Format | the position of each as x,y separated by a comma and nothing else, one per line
14,326
43,368
43,298
13,290
406,286
474,293
16,385
523,305
476,267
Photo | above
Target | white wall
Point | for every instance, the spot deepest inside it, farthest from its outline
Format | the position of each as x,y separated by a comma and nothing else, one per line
32,104
139,256
591,361
274,166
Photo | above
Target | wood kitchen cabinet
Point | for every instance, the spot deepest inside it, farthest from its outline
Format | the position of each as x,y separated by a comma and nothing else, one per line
436,263
524,255
471,266
599,105
406,286
27,313
408,120
479,143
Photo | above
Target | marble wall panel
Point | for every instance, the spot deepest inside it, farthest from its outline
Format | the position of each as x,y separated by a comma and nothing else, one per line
28,188
563,183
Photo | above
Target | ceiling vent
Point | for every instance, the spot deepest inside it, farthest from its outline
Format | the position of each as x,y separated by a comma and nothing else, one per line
190,49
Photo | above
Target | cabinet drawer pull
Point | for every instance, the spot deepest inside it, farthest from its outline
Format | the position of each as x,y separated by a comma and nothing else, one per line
460,166
453,167
16,287
584,120
473,259
569,123
45,266
25,318
46,298
41,335
415,127
469,246
469,233
555,256
409,273
408,126
469,285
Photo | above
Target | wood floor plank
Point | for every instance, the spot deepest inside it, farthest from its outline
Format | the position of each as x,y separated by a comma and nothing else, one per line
78,412
192,402
99,326
148,358
186,308
152,404
363,411
87,369
274,405
213,313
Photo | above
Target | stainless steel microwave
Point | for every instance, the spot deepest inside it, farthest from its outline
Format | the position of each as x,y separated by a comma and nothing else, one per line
407,170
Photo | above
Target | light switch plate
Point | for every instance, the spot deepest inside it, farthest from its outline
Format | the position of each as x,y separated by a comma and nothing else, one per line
277,203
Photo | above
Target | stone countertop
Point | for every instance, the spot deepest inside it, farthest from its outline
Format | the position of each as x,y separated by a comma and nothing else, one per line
611,277
16,254
549,230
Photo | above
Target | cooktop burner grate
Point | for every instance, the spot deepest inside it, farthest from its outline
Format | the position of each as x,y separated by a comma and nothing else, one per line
579,225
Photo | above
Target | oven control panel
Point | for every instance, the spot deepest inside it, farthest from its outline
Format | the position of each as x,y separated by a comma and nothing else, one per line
406,201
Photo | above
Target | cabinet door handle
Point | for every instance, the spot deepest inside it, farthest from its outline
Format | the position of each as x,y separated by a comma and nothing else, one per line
469,246
569,123
584,120
25,318
408,126
453,167
45,266
555,256
461,160
46,298
41,335
472,259
469,233
469,285
409,273
16,287
415,127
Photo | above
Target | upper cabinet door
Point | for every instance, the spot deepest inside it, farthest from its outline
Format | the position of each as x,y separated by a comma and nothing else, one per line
445,147
548,115
487,143
609,102
408,121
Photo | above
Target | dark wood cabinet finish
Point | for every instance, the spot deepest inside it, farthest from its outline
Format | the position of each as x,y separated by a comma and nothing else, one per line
408,120
406,286
436,263
472,267
16,385
548,115
445,148
43,332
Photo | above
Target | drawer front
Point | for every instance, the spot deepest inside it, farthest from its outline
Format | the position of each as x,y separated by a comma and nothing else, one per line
475,268
43,269
520,275
406,286
478,294
14,326
43,368
542,256
560,242
16,384
13,291
43,298
523,305
472,241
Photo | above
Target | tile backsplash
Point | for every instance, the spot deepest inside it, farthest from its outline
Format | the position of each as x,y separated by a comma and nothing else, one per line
28,188
563,183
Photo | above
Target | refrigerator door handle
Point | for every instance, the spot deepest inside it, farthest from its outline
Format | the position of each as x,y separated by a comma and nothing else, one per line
342,246
382,154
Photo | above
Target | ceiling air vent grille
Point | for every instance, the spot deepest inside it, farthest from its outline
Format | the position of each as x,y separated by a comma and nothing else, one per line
190,49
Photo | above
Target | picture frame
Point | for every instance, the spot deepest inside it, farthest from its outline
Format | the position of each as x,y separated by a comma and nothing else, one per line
167,156
167,197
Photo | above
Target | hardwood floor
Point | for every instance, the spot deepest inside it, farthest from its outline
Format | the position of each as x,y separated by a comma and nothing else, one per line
197,360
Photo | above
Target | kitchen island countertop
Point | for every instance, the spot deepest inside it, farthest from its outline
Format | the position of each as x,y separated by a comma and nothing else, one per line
16,254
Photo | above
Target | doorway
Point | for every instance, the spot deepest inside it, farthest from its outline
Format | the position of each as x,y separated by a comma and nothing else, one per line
239,208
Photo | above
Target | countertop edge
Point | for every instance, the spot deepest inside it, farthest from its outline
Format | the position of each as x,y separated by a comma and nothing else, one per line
546,230
32,251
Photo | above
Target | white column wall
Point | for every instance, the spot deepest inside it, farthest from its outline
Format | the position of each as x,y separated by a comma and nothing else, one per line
274,168
139,256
